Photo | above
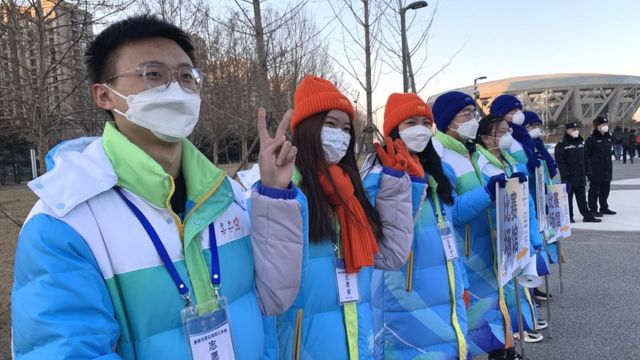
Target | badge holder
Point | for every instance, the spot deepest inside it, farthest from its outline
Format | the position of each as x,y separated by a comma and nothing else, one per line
448,240
207,328
347,283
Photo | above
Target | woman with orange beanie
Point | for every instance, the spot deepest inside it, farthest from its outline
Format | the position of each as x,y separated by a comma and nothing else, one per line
420,309
347,235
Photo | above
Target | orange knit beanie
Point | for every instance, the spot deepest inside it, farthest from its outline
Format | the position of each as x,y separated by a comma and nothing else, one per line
315,95
400,107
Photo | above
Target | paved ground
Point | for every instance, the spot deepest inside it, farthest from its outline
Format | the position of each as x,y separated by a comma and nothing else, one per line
596,317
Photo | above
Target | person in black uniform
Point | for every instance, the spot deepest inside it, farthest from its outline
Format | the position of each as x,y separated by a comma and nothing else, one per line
597,149
569,154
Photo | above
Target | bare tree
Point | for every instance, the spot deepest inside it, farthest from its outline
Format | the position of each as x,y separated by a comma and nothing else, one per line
48,95
417,30
361,39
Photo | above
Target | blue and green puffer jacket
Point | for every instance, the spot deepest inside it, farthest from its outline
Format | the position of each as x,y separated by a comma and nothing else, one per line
490,168
317,325
418,310
488,316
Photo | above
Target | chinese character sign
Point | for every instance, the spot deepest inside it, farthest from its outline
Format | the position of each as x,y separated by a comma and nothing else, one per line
558,218
512,217
541,198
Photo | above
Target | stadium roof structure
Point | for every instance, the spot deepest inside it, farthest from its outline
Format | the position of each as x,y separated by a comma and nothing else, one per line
561,98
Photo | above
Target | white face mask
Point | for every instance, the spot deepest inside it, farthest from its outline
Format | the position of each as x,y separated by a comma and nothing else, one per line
416,137
518,118
604,129
575,134
505,142
170,113
535,133
468,130
334,143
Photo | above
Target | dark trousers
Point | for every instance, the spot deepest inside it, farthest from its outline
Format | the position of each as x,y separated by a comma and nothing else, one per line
628,150
581,199
599,191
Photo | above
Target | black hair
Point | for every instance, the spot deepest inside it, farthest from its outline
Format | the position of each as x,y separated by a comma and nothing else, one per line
432,165
99,57
487,126
309,161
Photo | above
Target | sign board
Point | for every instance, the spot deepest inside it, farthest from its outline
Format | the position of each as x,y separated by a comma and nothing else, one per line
512,217
558,218
541,199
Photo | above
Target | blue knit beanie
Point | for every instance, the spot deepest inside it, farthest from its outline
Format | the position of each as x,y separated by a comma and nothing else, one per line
503,104
531,118
448,105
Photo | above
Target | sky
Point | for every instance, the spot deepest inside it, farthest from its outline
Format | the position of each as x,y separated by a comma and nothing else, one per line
506,38
497,39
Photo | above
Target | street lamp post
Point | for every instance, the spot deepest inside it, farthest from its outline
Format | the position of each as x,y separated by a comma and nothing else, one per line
403,34
476,93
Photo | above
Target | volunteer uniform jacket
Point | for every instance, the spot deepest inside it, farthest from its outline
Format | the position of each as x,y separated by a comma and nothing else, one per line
89,283
317,326
419,308
487,316
528,308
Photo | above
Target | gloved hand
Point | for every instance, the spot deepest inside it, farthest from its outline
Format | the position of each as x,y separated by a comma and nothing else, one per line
414,167
522,177
491,185
534,161
389,157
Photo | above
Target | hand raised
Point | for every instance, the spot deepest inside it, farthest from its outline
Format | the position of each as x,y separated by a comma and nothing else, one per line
277,155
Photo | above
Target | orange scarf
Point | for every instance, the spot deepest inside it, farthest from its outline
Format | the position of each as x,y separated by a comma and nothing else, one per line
358,240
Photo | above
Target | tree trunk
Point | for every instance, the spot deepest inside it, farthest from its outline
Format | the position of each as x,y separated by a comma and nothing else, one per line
262,57
368,141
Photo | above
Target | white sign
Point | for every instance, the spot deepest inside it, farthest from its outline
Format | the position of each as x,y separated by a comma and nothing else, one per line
541,197
512,216
558,218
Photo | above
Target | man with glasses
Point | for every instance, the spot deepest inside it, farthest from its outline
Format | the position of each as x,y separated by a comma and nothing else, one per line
139,246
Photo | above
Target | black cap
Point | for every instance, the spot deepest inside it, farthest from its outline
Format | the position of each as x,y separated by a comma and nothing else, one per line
572,125
600,120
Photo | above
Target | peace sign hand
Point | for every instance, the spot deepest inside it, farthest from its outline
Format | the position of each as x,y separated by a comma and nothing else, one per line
277,156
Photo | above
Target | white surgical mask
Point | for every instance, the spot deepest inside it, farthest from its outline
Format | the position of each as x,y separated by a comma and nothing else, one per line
416,137
170,113
505,142
575,134
604,129
468,130
518,118
535,133
334,143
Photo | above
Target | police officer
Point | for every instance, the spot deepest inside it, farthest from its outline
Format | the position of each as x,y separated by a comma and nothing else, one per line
597,148
569,154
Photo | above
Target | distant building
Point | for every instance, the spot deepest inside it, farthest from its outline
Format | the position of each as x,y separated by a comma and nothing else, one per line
558,98
58,65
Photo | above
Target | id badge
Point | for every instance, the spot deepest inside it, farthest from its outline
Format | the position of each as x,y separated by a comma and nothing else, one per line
448,241
347,284
208,332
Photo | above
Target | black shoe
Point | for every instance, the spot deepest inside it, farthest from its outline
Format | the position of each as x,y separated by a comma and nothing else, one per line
497,355
541,295
591,219
607,212
573,221
597,214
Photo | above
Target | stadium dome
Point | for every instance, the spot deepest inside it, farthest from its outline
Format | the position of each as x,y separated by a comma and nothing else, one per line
560,98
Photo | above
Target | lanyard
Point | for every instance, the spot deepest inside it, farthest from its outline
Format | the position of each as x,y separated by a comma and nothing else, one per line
435,202
166,259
